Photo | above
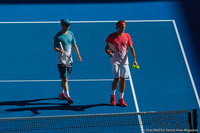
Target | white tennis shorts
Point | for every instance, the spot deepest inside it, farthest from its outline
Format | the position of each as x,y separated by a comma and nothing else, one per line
120,71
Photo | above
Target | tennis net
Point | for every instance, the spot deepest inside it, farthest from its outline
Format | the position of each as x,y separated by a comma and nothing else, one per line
143,122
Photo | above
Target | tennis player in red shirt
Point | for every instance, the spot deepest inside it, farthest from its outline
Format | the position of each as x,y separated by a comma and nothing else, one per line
119,60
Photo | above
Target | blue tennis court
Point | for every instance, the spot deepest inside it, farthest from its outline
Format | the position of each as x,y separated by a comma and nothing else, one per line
37,78
30,81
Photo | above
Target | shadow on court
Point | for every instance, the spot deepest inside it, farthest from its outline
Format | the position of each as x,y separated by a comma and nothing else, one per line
57,106
27,102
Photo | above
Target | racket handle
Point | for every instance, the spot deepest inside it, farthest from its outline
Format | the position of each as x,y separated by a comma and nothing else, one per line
108,52
61,45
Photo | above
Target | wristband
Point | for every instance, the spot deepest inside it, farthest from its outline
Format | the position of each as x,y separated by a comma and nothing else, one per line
108,52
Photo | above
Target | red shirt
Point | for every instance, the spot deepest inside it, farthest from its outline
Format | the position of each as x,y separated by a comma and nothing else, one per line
121,43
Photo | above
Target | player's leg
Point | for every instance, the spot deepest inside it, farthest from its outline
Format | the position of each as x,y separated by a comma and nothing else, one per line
62,71
115,85
65,84
115,70
66,88
124,71
122,86
64,75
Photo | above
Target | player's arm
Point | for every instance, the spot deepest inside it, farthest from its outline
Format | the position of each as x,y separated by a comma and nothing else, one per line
77,52
133,54
108,51
56,45
57,49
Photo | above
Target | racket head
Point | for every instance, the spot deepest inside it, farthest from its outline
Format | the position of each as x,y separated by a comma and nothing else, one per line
66,60
112,47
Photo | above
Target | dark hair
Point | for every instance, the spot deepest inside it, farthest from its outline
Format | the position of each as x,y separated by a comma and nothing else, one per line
119,22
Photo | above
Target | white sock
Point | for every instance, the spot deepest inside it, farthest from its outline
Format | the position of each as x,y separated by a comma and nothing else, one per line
61,90
113,92
121,95
67,94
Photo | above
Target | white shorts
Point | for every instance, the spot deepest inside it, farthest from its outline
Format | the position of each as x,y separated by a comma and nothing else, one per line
120,71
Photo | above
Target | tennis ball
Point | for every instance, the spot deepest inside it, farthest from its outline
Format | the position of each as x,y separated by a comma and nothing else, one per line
136,67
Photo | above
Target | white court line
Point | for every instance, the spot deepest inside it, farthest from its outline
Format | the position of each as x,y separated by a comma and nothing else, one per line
72,80
136,103
187,65
111,21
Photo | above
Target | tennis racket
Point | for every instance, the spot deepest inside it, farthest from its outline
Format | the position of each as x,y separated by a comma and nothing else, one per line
112,47
66,60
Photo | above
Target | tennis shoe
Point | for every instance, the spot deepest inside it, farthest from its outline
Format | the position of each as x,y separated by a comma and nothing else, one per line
112,100
62,96
122,103
69,100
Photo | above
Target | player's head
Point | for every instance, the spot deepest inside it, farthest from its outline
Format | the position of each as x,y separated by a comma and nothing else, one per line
121,25
65,23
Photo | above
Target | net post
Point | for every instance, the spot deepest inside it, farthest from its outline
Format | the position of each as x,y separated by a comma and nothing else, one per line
194,113
190,121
